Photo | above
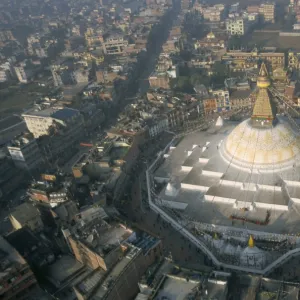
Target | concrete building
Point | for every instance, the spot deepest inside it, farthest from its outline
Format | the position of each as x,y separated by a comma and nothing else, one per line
250,60
222,99
237,26
26,215
293,60
114,45
22,74
155,127
11,177
139,252
97,243
213,13
25,152
166,280
56,75
241,99
267,10
16,278
10,127
51,120
50,191
159,80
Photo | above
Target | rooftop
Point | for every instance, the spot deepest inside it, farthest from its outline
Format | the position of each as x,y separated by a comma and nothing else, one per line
9,122
63,269
117,270
8,256
56,113
101,236
176,288
24,213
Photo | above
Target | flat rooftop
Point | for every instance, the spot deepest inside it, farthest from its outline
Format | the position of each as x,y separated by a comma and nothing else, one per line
9,122
63,269
175,288
101,236
117,270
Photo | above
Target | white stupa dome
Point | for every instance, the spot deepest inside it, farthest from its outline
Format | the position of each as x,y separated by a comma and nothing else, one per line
265,149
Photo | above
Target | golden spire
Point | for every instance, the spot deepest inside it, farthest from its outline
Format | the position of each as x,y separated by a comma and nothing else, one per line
216,236
263,80
263,114
251,242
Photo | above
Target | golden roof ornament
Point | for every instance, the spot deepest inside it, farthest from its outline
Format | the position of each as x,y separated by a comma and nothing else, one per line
263,112
251,242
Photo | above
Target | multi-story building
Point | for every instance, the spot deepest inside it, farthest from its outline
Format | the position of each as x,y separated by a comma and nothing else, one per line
293,60
50,121
212,15
97,243
155,127
114,45
16,278
139,252
237,26
10,127
159,80
247,60
241,99
56,75
25,152
267,10
6,35
92,37
26,215
209,105
222,99
50,191
22,74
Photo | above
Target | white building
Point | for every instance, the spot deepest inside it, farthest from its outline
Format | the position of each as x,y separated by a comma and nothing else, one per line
25,152
237,25
41,122
21,74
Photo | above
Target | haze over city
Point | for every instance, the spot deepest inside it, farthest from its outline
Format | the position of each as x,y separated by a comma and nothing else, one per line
149,149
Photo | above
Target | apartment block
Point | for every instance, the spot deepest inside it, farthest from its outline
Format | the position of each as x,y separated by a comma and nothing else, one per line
114,45
16,278
25,152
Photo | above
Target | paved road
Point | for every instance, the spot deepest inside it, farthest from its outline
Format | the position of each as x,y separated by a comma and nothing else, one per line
137,212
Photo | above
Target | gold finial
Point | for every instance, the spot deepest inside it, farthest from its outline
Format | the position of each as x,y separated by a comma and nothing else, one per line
251,242
263,70
263,80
